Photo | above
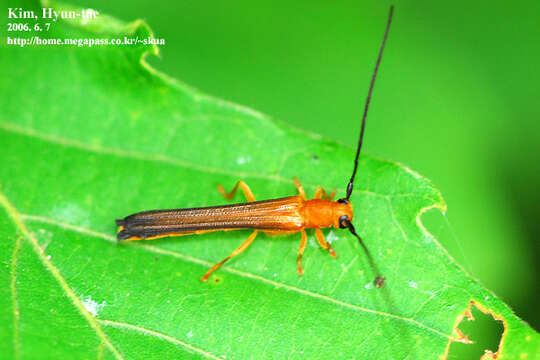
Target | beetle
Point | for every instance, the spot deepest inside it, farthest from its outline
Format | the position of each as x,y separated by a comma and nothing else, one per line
280,216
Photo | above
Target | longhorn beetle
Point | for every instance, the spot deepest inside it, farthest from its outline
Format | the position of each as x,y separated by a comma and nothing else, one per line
276,216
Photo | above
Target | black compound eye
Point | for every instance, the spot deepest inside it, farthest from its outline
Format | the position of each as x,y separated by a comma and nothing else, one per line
342,219
343,201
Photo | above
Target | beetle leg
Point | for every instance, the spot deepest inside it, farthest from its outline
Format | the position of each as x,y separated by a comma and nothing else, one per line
303,244
242,247
245,189
325,245
321,194
300,189
331,196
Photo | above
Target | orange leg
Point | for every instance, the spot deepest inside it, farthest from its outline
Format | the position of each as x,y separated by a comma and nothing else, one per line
300,189
321,194
245,189
242,247
303,244
326,246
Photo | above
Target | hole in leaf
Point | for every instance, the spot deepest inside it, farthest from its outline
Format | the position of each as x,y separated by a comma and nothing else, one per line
484,332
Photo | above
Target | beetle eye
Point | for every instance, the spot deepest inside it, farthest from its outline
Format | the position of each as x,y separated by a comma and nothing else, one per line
343,218
343,201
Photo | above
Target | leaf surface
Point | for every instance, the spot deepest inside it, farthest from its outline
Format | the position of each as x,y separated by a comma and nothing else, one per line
90,134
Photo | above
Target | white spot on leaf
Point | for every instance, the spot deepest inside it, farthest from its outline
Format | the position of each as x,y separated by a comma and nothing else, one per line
243,160
369,286
70,213
331,237
92,306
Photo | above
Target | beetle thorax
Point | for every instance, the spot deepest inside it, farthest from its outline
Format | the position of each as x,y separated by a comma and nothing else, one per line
319,213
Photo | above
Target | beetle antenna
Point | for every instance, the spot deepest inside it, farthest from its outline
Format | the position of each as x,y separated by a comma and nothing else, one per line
368,99
379,280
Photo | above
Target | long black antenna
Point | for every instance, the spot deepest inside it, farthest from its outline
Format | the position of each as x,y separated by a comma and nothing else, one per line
350,185
379,280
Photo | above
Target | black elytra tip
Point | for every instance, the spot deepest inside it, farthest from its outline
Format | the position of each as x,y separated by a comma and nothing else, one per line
123,235
120,222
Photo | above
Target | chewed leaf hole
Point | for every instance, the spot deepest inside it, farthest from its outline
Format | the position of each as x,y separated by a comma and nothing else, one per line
480,334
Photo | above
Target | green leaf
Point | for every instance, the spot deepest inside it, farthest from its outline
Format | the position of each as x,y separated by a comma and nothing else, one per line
91,134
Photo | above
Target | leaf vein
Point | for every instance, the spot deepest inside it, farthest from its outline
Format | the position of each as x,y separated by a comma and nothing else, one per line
394,220
98,149
168,338
13,274
240,273
18,222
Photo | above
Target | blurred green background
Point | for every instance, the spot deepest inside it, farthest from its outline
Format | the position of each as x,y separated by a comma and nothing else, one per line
456,100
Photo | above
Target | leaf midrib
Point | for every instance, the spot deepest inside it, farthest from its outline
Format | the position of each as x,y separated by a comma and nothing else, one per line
8,127
241,273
